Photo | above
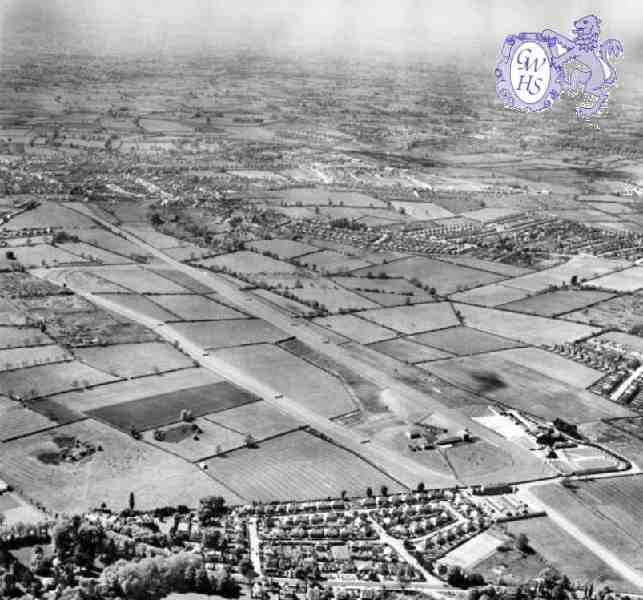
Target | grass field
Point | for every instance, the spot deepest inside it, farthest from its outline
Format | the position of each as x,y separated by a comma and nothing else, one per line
490,295
45,255
628,280
191,307
135,389
462,341
563,552
146,306
44,380
296,466
16,421
488,265
357,329
17,337
283,248
622,312
524,388
94,253
184,280
141,281
23,357
249,263
110,242
80,278
623,436
557,302
526,328
333,297
332,262
408,351
163,409
415,318
293,377
134,360
445,277
608,510
124,465
259,419
230,332
50,214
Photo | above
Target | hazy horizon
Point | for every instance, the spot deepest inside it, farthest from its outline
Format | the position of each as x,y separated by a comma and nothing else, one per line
361,28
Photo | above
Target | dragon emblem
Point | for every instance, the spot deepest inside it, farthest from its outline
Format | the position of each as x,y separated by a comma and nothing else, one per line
535,69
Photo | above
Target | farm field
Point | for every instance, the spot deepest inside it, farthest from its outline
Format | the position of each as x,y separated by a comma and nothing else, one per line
446,277
608,510
135,389
134,360
14,358
408,351
141,304
44,380
284,249
331,262
553,366
124,465
186,253
462,341
488,265
297,466
43,254
490,295
389,285
557,302
321,197
184,280
524,388
81,279
24,285
191,307
415,318
16,421
389,300
94,254
623,436
249,263
16,337
333,297
622,312
628,280
422,210
163,409
291,376
526,328
230,332
564,552
208,440
581,266
357,329
53,215
259,419
110,242
291,306
152,237
141,281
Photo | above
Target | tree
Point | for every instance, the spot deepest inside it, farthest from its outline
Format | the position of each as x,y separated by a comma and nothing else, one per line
132,501
369,492
522,543
384,490
210,509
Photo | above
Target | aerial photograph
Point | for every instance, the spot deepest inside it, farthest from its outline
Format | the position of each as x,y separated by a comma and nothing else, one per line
321,299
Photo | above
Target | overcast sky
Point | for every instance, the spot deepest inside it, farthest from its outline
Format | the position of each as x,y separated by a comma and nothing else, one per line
349,27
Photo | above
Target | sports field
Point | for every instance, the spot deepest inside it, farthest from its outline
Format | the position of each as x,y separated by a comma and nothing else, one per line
163,409
297,466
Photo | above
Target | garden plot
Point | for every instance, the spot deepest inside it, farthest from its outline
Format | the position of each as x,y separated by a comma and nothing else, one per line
143,305
445,277
557,302
331,262
284,249
44,380
415,318
524,388
196,440
297,466
261,420
462,341
628,280
191,307
249,263
230,332
291,376
134,360
581,266
123,466
526,328
357,329
407,351
161,410
135,389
